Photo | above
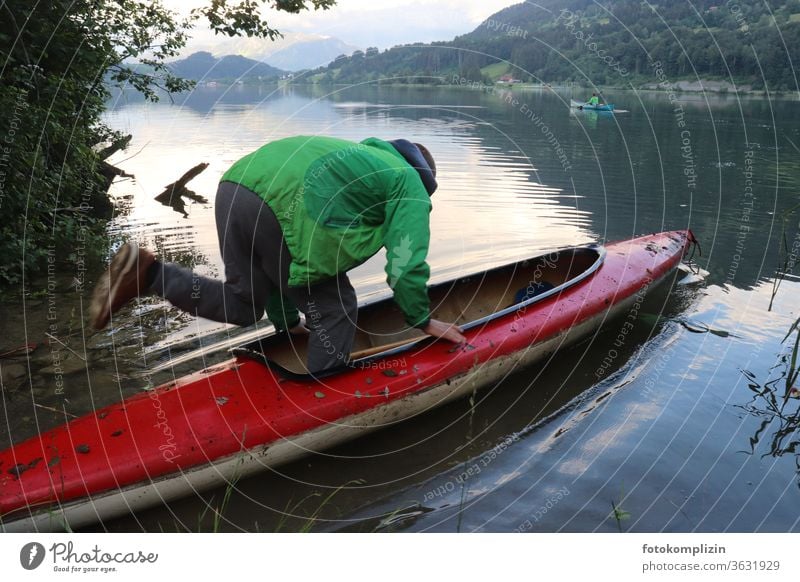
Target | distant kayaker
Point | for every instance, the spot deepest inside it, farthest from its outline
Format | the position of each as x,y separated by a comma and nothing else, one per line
292,218
594,101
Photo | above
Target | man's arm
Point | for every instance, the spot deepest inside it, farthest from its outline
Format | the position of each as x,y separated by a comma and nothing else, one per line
407,237
281,311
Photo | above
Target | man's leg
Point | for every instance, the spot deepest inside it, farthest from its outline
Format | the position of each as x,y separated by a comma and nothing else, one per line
256,259
240,299
331,309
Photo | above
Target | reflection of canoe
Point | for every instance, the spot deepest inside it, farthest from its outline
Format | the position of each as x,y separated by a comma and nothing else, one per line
259,409
587,107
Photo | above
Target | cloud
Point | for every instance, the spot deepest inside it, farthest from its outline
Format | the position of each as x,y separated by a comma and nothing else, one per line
383,23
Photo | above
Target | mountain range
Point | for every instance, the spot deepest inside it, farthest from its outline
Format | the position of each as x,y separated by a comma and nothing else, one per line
294,51
242,57
203,66
308,54
619,42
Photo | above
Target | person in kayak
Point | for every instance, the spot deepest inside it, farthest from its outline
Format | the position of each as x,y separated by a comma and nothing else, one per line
594,101
292,218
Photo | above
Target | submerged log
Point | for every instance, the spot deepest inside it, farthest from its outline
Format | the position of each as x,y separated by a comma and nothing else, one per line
174,193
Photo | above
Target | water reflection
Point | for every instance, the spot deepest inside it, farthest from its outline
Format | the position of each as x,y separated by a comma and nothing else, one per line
776,402
589,119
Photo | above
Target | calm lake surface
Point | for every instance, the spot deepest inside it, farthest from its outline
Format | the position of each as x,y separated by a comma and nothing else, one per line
685,429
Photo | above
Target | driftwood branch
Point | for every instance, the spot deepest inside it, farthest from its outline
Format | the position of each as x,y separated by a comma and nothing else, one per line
115,146
188,176
108,171
174,193
111,172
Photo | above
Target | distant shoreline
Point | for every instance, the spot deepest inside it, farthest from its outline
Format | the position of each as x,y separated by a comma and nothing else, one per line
684,86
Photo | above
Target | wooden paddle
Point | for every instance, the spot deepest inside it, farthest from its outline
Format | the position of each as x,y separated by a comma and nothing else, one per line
377,349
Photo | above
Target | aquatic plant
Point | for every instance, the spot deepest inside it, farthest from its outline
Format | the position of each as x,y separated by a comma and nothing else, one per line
776,403
466,460
219,510
617,512
312,519
792,371
787,257
788,173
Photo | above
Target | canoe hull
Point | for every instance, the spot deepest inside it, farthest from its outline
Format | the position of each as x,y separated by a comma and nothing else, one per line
269,421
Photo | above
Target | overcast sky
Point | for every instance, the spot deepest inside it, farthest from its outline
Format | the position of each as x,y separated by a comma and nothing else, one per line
381,23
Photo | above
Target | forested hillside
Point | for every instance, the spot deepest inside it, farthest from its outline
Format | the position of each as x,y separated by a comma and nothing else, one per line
613,43
203,66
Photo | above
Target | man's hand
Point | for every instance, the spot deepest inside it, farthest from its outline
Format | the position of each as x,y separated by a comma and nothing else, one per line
300,329
448,331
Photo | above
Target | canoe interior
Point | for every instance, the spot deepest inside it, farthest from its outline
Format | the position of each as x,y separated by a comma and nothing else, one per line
463,301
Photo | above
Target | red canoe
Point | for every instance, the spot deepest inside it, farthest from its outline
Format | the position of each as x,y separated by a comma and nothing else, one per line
259,409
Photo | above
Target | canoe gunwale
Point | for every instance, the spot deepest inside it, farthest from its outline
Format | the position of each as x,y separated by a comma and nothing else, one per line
252,351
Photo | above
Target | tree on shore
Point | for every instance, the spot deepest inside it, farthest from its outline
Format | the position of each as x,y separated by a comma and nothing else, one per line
58,60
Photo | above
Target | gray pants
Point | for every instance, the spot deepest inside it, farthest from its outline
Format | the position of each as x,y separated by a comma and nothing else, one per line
257,261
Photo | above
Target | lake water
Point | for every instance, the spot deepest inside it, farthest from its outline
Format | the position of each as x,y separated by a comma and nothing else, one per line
685,430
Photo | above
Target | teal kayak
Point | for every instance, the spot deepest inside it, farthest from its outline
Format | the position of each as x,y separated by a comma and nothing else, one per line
586,106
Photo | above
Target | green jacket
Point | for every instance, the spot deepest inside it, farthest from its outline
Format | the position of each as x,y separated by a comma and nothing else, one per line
338,202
